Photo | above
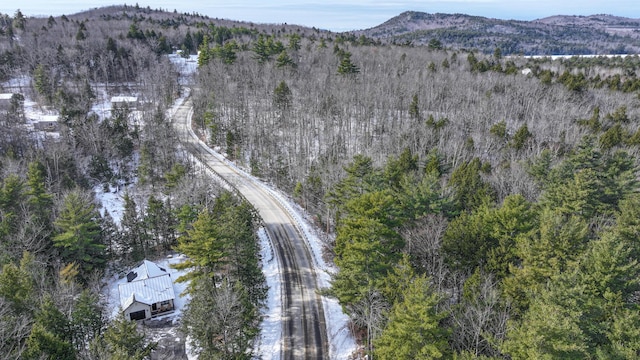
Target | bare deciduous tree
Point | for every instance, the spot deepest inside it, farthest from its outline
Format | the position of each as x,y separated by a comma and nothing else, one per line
423,242
480,320
369,315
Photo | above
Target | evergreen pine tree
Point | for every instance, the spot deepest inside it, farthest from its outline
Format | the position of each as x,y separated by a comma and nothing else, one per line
284,60
40,201
414,108
121,340
346,66
51,335
86,320
17,286
414,330
79,238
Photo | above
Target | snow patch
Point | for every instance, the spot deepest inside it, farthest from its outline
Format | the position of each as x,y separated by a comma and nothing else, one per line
112,202
187,67
20,82
268,344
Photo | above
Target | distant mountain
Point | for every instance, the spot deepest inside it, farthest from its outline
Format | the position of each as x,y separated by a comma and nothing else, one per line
172,18
573,35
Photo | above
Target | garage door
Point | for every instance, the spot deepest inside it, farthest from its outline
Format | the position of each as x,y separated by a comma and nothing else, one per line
137,315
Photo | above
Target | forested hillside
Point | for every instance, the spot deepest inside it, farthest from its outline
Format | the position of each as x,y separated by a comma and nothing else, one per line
482,206
477,206
555,35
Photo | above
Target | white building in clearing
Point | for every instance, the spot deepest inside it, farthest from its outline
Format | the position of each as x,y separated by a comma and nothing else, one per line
130,102
147,293
7,100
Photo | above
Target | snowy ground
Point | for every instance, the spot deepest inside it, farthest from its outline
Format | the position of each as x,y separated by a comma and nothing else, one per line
112,202
103,107
33,113
268,346
186,66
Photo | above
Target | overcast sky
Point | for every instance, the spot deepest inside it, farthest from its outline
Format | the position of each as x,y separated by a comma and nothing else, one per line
342,15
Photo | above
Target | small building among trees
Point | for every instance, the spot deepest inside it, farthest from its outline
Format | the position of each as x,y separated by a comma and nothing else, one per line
11,101
147,293
130,102
49,126
5,100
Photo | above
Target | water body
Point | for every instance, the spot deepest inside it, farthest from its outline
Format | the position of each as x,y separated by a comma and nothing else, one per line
556,57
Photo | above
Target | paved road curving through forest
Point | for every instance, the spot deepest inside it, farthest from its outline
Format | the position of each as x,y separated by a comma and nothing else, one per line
304,334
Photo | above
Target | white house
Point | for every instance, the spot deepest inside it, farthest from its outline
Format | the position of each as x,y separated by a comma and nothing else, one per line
130,102
7,100
147,293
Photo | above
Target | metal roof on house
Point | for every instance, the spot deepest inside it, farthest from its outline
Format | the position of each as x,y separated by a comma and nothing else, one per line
146,270
147,291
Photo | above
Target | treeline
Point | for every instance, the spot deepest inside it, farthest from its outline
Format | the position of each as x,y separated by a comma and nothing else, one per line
478,212
578,74
111,44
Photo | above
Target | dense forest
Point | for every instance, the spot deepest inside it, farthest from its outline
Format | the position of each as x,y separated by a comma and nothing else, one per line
477,206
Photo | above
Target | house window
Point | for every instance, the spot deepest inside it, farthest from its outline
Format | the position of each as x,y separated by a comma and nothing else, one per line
166,305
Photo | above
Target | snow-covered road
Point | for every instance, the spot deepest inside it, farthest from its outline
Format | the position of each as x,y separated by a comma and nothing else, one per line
311,326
